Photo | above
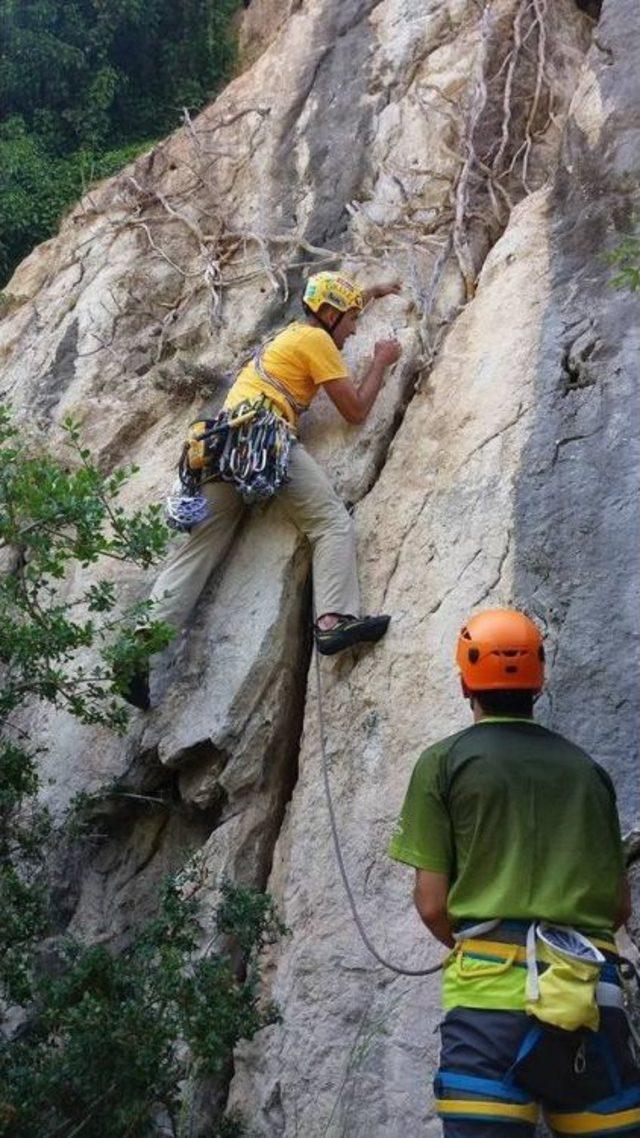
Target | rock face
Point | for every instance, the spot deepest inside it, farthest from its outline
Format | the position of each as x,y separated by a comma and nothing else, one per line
490,154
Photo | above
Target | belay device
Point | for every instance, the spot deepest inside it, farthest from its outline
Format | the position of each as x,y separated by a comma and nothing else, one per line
248,446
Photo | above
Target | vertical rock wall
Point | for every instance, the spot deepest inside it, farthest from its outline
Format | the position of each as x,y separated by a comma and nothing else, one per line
512,479
433,547
577,519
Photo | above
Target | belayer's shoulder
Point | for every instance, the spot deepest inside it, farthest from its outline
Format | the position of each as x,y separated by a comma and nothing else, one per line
580,758
441,749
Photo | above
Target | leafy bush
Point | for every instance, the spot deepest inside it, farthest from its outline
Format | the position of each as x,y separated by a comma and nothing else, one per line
54,519
626,259
103,1053
105,1037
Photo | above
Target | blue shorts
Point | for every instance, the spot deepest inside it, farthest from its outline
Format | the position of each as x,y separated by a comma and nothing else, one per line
497,1068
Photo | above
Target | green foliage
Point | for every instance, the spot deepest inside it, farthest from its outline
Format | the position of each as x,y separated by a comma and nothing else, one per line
55,520
250,918
230,1127
51,519
84,86
24,919
37,186
106,1037
103,1051
218,1011
87,74
626,258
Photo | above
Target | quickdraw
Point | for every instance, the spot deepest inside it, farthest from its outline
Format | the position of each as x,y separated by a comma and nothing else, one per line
248,446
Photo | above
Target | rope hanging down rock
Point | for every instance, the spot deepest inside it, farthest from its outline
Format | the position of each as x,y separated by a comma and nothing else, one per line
340,859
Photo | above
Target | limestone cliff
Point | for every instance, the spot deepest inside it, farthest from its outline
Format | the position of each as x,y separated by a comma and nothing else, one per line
490,154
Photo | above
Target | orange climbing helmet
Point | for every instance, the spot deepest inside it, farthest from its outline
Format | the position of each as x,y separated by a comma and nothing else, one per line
501,650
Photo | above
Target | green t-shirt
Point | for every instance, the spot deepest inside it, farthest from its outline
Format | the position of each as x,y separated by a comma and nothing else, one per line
523,822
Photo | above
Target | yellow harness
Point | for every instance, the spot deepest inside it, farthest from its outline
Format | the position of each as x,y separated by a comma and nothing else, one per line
563,985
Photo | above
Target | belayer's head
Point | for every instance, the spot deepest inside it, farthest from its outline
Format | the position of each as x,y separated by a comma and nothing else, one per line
501,660
335,302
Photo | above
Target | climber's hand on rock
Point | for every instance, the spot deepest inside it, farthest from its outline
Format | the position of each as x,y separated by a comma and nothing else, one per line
387,352
391,288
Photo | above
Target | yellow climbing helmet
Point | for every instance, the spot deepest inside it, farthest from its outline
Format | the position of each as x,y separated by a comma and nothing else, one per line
333,289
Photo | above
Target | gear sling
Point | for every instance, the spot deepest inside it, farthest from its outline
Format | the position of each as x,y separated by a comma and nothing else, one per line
248,445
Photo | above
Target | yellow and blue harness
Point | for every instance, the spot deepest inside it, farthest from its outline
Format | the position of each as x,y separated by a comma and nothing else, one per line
583,975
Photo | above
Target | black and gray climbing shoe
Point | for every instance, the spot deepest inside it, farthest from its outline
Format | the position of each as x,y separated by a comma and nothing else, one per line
135,688
348,631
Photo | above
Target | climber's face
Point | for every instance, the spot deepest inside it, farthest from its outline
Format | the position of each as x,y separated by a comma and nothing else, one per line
345,327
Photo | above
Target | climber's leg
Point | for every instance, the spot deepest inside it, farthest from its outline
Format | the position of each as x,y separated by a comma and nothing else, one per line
186,573
184,576
313,505
316,509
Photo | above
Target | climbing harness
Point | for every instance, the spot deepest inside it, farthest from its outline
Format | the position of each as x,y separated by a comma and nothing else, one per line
338,851
570,977
568,974
248,446
563,1040
272,381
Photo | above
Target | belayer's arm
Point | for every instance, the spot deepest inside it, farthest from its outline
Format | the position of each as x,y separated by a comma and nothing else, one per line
624,912
430,897
354,403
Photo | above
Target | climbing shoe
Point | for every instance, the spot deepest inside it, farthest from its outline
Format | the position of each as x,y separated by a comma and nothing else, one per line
348,631
135,687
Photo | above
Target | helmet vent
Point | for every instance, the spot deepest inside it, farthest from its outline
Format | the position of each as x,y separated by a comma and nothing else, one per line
474,655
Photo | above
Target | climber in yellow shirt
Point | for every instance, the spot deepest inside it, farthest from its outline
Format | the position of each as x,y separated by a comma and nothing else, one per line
299,360
286,375
292,367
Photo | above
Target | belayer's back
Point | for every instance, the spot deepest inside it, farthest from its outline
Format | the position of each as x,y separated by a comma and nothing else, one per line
535,827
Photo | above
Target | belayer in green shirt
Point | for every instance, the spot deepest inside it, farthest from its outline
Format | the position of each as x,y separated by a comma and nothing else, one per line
514,835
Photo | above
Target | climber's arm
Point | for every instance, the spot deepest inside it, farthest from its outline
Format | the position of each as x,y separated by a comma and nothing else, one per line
354,403
430,897
376,292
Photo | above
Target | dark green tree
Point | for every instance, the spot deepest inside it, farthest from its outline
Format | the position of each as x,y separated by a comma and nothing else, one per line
84,84
87,74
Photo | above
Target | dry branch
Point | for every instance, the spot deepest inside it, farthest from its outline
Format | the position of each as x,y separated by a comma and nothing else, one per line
540,9
513,57
459,237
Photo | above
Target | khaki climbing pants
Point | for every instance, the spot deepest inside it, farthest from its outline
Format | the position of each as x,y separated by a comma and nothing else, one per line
313,506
